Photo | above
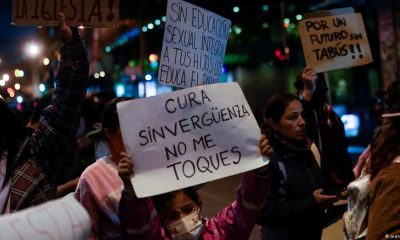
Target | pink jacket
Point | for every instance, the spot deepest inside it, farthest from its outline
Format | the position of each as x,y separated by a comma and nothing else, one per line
99,191
140,221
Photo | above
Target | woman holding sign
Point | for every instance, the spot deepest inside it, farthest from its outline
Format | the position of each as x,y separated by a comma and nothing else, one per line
295,208
32,160
177,215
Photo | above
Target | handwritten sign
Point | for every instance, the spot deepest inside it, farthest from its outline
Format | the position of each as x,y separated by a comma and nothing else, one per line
89,13
193,47
59,219
335,42
188,137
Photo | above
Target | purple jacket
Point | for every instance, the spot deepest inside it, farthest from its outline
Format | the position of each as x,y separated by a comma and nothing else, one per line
140,221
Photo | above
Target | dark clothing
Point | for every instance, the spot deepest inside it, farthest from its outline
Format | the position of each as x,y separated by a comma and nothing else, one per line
326,129
291,211
40,159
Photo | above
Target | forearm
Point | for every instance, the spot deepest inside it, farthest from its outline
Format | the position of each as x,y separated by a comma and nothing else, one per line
70,86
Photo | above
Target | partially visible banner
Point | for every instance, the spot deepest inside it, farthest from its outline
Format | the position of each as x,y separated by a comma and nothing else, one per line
88,13
335,42
64,218
193,47
189,137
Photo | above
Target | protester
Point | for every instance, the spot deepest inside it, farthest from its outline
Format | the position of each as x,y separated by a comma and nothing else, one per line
295,207
383,191
99,188
326,129
33,162
177,215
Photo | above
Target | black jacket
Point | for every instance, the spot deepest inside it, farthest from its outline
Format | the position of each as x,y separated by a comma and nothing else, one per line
291,211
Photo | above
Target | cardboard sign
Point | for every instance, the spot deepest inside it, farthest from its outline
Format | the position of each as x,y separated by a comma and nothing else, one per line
59,219
335,42
88,13
188,137
193,47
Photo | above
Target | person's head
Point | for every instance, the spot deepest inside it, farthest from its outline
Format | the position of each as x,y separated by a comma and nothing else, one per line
12,132
385,146
179,212
111,129
39,106
284,115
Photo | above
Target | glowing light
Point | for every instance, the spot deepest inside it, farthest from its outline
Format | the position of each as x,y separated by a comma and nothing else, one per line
299,17
150,26
286,22
154,64
148,77
6,77
265,25
96,75
42,88
46,61
81,27
18,73
19,106
265,8
164,18
144,29
32,49
237,29
119,90
20,99
107,49
2,82
102,74
236,9
157,22
153,57
17,86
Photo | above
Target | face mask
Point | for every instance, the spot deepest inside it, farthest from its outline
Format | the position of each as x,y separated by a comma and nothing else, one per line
187,228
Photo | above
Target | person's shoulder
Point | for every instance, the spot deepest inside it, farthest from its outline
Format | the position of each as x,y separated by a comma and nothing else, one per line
94,167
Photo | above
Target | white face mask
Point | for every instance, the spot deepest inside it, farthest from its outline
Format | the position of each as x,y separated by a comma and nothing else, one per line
187,228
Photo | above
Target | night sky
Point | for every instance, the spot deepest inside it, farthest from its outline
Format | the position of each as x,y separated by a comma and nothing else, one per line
12,38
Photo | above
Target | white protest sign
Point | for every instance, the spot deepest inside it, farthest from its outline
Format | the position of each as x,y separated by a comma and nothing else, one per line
193,47
335,42
188,137
59,219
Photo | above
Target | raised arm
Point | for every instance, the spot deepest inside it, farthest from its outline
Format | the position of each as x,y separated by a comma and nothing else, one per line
60,120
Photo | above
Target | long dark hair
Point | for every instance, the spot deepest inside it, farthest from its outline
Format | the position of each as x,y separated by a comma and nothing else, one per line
275,108
12,133
110,118
386,145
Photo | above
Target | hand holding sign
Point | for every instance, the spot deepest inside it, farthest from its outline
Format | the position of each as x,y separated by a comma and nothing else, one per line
335,41
64,31
189,137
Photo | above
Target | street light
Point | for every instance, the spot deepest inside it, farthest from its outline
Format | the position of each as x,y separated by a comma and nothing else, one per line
33,50
6,77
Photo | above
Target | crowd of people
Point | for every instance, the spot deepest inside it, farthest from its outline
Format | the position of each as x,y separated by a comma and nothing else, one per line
61,151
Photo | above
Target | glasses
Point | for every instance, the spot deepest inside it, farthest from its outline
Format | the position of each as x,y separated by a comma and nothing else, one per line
175,214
